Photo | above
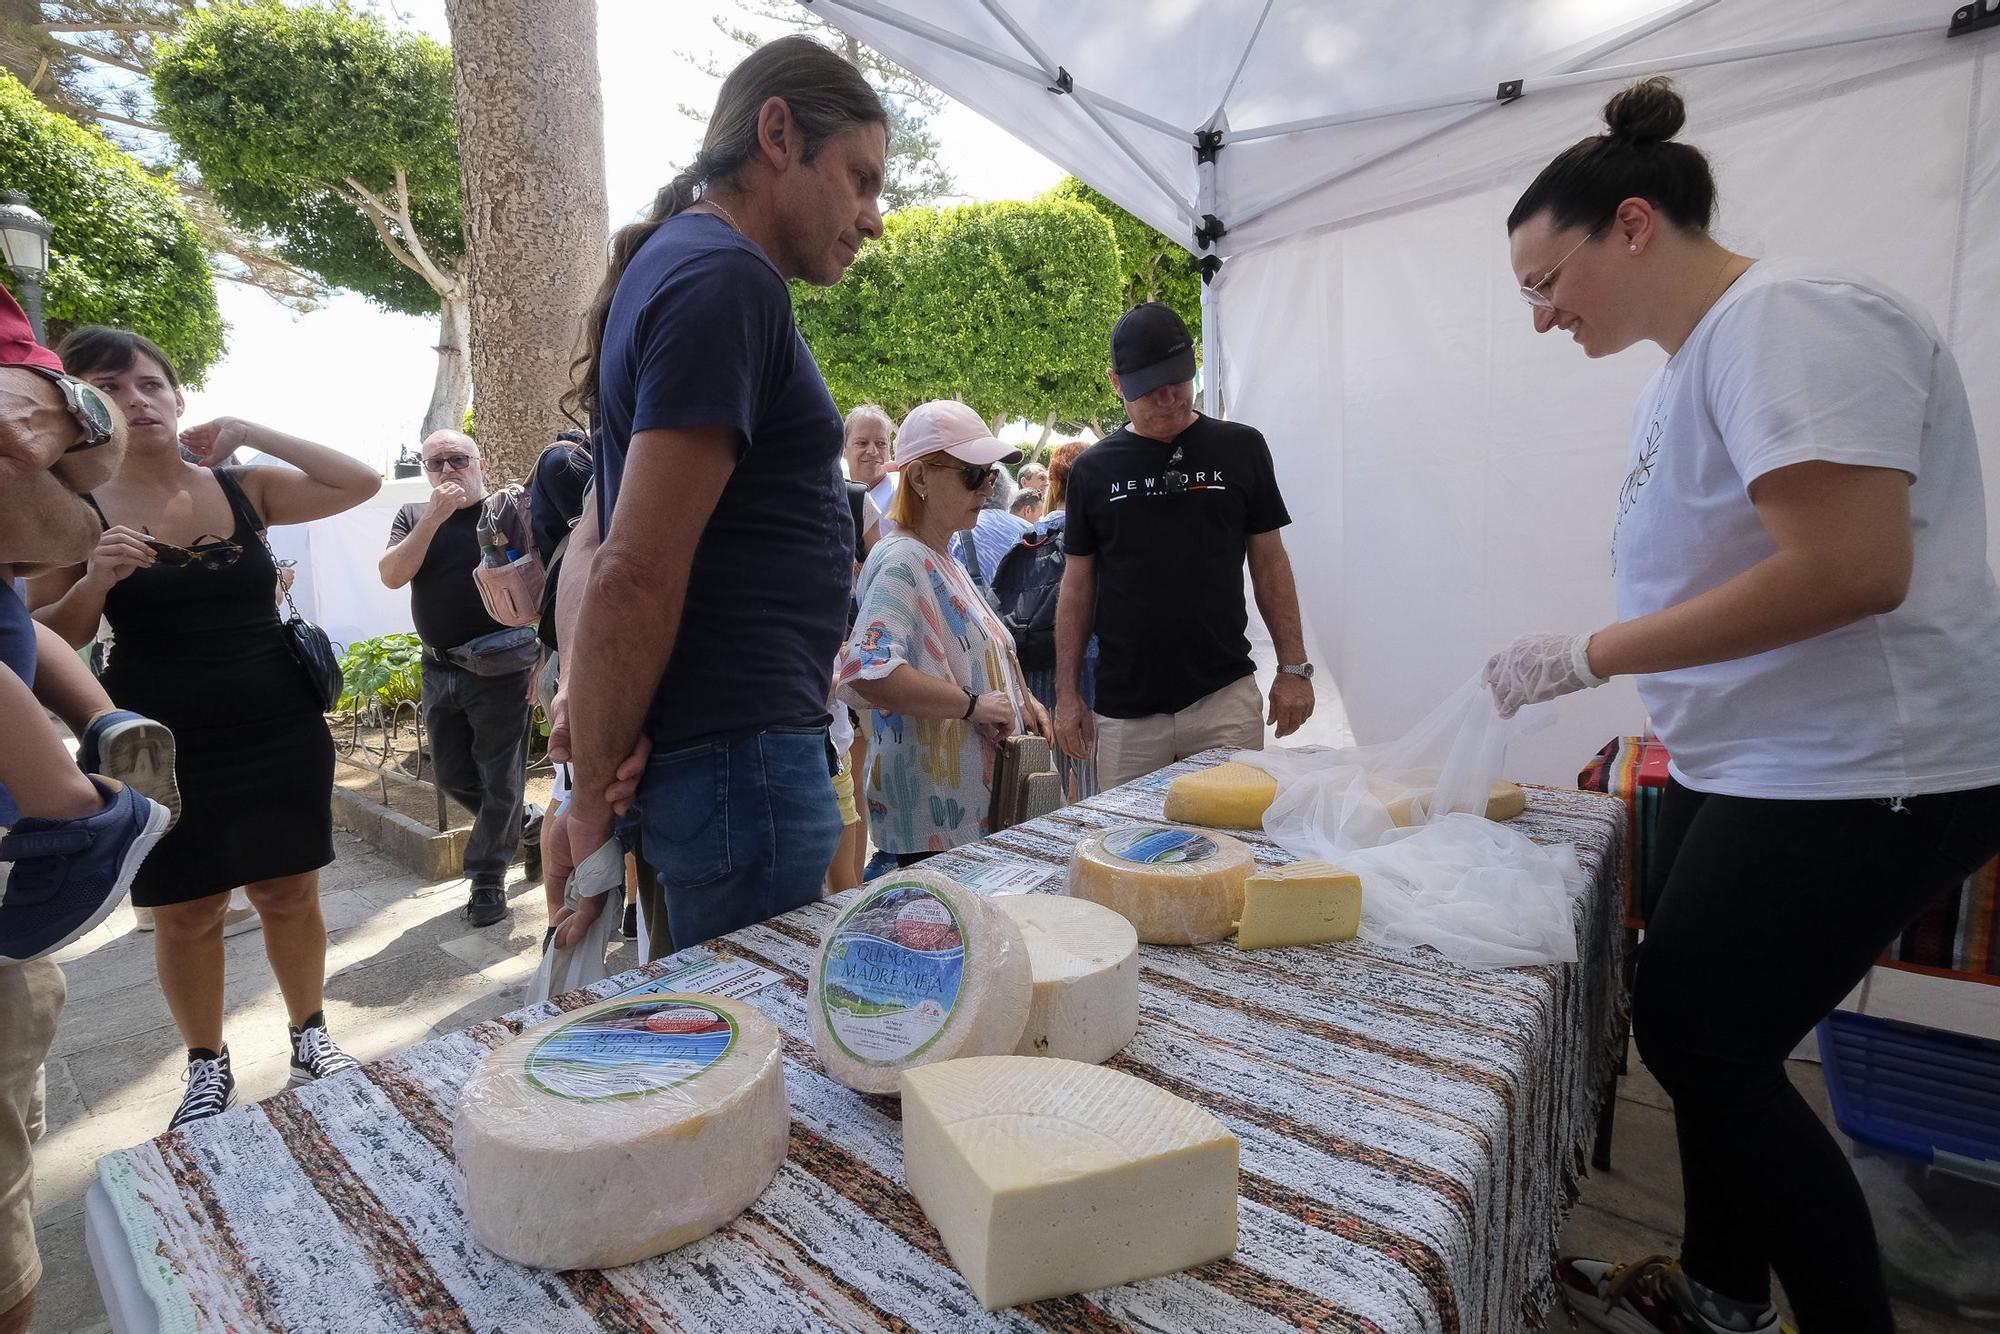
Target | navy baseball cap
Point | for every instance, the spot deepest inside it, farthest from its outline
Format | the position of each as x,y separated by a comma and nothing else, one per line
1150,346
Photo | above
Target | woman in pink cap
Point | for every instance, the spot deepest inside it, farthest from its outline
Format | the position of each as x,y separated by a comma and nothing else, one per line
928,657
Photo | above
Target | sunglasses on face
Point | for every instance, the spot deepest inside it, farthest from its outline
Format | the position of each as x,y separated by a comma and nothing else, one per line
448,463
208,553
974,476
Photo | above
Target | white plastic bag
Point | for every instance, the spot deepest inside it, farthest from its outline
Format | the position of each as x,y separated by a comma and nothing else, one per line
1479,893
602,872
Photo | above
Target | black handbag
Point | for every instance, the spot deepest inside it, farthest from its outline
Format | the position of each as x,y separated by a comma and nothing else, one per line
310,646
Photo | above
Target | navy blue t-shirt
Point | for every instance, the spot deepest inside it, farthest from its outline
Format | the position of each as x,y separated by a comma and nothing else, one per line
17,651
700,333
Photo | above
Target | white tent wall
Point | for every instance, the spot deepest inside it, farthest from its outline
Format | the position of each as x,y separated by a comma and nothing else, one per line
1453,476
337,587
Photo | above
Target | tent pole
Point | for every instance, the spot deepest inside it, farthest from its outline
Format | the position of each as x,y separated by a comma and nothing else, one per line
1207,168
964,46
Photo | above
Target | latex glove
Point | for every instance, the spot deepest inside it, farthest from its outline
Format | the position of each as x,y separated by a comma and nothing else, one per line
1540,667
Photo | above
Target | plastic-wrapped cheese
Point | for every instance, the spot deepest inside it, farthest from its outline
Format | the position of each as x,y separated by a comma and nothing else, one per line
1229,796
1505,801
1085,961
1050,1177
1305,903
621,1131
1175,886
916,969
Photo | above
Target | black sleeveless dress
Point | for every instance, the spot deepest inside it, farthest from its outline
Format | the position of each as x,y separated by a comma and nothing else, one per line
204,652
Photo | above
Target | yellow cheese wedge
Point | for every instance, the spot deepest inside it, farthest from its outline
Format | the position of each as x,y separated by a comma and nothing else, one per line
1229,796
1504,802
1305,903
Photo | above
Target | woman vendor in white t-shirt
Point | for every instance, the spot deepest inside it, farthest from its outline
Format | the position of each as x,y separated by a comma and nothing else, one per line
1799,558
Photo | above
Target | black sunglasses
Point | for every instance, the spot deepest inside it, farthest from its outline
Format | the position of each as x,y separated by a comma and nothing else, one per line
1176,480
455,462
208,553
975,476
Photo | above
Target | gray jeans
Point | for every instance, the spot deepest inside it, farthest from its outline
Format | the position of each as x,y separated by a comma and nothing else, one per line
478,732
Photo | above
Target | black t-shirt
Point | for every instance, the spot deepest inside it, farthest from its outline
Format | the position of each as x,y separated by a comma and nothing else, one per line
1169,537
700,333
443,599
556,490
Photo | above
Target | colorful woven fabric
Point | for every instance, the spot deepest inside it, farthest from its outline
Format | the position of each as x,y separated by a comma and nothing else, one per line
1959,935
1412,1137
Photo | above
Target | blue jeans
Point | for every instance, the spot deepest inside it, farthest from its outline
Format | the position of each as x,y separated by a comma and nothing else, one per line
739,831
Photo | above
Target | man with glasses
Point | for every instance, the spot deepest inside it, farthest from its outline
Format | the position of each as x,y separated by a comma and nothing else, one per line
1162,514
477,725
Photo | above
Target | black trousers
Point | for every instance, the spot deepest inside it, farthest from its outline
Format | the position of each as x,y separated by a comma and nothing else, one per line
1760,918
477,727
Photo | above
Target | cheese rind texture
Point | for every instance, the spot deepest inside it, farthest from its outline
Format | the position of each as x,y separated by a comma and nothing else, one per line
623,1130
1228,796
1504,802
1176,886
1085,962
1305,903
1049,1177
916,969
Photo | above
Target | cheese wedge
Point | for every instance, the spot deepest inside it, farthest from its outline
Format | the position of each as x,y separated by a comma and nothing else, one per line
1305,903
916,969
1229,796
1046,1177
1175,886
1085,961
1504,802
623,1130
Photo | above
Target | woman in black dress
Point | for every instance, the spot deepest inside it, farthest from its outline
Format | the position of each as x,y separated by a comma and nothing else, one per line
185,578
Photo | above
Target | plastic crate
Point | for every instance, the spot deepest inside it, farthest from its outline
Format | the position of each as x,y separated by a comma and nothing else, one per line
1922,1108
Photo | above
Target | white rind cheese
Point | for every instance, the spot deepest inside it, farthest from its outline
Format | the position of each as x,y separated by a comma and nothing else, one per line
1175,886
1046,1177
1305,903
916,969
623,1130
1085,961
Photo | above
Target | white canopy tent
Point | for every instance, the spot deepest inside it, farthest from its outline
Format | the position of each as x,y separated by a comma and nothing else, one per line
1349,167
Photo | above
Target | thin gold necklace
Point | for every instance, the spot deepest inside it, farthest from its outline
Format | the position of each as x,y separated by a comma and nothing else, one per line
720,212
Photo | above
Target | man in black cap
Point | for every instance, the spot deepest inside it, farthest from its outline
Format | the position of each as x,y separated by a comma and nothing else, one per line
1162,514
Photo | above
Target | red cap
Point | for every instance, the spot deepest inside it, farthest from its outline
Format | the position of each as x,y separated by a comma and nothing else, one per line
17,338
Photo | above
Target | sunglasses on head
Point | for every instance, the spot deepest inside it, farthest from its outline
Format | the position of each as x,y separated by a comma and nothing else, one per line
208,553
451,462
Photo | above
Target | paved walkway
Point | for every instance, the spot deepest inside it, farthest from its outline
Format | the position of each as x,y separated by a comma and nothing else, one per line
403,966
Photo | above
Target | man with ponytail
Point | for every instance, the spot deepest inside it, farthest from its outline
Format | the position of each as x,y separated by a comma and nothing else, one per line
719,595
1798,555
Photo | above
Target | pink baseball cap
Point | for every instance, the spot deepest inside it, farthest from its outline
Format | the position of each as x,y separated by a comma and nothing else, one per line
946,426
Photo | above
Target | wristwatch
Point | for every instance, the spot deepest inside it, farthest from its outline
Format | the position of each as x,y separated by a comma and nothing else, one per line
1304,669
84,404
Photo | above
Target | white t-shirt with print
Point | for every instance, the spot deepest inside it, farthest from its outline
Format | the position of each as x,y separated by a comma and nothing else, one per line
1799,362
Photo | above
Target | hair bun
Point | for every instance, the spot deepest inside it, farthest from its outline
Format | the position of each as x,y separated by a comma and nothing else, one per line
1648,112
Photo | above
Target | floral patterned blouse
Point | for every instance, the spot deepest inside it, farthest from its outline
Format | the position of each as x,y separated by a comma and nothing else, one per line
930,780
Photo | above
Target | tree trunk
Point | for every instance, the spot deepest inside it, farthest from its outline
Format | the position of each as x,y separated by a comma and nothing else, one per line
531,162
451,391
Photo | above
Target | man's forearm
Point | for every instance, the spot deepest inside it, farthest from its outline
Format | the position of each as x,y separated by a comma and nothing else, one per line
578,557
1278,603
625,633
1076,612
401,562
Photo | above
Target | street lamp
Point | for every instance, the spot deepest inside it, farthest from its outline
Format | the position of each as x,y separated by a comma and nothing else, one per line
24,244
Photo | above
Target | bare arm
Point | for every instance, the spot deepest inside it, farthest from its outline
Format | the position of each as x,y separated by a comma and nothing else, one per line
321,481
1278,603
631,614
1844,553
577,559
400,563
70,600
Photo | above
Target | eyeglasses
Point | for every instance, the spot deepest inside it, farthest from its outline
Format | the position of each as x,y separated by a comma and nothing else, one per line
209,552
1538,295
1176,480
975,476
448,462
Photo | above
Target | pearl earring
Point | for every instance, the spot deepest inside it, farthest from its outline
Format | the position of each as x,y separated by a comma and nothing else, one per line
1634,247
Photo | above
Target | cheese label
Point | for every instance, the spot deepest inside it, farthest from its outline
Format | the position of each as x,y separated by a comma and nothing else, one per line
640,1047
892,973
1152,845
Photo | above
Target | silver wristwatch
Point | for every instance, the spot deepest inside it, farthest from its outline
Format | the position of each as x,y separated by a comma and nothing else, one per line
1304,669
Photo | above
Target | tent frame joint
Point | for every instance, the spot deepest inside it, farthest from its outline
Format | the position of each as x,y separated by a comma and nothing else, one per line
1209,232
1210,265
1207,144
1064,84
1974,17
1509,91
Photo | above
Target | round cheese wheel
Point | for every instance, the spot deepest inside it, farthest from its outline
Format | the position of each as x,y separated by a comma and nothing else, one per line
622,1130
916,969
1085,960
1228,796
1175,886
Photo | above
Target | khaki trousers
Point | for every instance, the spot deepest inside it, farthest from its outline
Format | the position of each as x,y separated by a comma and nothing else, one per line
31,995
1129,748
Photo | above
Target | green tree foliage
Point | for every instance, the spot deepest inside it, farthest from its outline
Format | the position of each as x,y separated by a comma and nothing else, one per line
332,133
124,251
1151,267
1007,306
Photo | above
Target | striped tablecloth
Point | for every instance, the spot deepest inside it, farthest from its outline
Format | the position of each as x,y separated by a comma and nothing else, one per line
1412,1135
